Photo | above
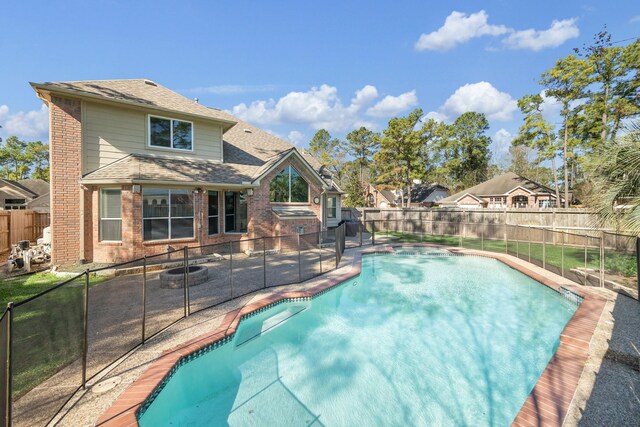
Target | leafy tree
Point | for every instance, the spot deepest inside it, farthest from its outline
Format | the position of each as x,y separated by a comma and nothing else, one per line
398,161
38,154
466,150
614,81
15,159
361,145
567,82
538,134
328,151
354,187
615,173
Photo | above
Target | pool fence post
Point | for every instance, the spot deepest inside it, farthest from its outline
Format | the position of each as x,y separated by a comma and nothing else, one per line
360,234
8,400
320,256
562,253
373,233
185,282
264,262
85,328
529,234
544,248
602,259
299,260
506,241
638,261
586,275
231,266
144,297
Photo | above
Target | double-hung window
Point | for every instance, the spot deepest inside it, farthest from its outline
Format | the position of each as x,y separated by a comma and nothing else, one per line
288,187
213,212
170,133
110,214
167,214
332,207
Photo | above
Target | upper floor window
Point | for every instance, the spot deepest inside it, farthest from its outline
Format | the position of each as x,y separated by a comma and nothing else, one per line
288,187
170,133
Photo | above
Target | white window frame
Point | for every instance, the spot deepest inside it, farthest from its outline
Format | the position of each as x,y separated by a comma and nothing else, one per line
289,185
172,148
335,208
209,233
169,218
109,219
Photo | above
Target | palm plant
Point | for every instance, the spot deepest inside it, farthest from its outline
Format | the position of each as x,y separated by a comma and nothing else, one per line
616,181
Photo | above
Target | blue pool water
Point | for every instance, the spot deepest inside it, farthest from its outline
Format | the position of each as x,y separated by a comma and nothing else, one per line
414,340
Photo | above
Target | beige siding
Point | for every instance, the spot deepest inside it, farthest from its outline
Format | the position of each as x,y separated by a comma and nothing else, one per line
110,133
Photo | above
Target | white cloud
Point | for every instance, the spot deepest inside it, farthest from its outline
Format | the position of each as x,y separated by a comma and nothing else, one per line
295,137
634,19
500,143
550,106
320,107
480,97
364,96
392,105
233,89
459,28
557,34
439,117
31,125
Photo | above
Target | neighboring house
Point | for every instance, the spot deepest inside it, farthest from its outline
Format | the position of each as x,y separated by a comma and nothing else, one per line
378,198
137,168
24,194
505,191
428,195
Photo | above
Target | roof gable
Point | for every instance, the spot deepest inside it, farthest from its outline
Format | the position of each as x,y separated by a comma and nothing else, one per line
136,92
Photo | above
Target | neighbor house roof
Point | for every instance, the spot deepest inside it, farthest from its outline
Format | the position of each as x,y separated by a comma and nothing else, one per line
137,92
36,186
420,192
21,188
500,186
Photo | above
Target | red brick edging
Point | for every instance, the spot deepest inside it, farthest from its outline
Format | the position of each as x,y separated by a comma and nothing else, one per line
547,403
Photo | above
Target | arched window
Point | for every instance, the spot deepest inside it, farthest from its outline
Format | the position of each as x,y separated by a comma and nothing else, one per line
288,187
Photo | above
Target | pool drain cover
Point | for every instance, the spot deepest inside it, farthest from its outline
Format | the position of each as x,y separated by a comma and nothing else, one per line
106,385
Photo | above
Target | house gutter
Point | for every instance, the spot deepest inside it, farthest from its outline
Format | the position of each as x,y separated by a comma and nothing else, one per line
203,184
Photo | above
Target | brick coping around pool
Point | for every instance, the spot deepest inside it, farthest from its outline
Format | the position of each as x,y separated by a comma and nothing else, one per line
547,404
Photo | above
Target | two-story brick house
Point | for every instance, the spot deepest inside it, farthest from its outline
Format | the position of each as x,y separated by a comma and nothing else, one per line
137,168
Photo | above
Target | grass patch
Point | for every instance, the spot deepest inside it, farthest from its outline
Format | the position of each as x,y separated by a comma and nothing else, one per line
20,288
574,257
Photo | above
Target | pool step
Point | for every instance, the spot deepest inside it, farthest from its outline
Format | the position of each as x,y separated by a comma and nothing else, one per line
253,328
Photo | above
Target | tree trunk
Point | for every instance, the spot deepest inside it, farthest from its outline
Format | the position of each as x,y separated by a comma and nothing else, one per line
555,179
604,114
566,169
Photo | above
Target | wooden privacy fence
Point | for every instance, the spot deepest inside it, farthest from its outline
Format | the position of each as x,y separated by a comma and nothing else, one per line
19,225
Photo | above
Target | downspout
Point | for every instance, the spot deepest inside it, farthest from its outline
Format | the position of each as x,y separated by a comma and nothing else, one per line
81,255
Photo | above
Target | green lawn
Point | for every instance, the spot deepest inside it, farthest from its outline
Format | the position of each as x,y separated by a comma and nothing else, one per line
47,331
574,257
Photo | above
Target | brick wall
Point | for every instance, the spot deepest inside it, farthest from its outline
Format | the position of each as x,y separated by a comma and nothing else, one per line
66,169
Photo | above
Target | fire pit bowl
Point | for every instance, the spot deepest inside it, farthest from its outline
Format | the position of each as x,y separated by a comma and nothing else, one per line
174,278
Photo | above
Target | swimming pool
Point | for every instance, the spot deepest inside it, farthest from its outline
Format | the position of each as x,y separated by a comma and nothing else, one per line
419,339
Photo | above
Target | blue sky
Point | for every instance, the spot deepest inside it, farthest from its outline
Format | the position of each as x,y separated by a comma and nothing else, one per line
294,67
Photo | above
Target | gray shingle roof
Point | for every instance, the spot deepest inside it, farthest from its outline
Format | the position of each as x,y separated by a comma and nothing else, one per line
143,167
37,186
141,92
248,151
499,186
